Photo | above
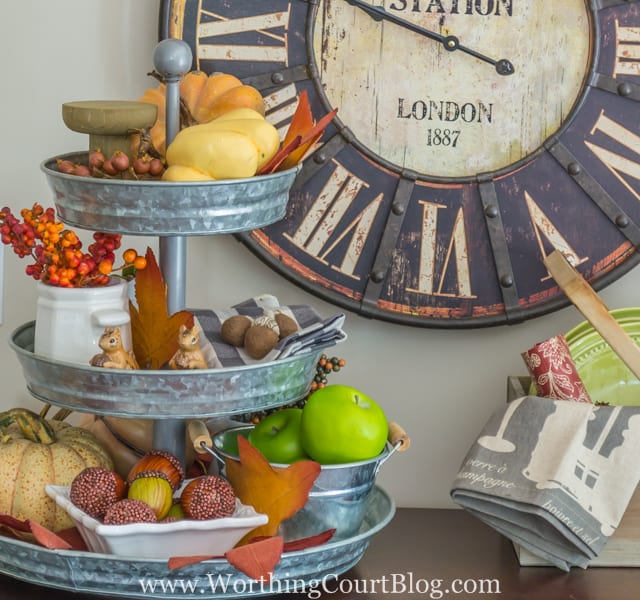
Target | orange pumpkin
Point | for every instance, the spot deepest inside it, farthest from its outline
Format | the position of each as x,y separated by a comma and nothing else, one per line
202,98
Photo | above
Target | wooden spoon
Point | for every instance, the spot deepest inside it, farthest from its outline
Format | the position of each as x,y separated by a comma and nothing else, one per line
594,310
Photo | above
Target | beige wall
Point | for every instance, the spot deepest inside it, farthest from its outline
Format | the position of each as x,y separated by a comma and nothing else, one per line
442,385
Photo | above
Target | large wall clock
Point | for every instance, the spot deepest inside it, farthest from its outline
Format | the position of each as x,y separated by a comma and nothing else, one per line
473,138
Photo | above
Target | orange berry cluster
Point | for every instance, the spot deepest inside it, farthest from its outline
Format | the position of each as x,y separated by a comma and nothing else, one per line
58,258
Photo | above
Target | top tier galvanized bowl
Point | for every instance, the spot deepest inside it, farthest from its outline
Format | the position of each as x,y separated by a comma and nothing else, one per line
164,208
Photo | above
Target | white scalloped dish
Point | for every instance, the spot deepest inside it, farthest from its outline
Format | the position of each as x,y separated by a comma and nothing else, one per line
186,537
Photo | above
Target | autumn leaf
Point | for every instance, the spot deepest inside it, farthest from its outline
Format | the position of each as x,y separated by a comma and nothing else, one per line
257,560
278,493
30,530
154,332
304,127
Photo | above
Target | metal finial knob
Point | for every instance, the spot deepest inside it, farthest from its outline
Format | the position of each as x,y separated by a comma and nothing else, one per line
172,57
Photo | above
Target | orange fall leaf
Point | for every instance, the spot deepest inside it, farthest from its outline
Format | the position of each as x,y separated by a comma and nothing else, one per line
304,127
154,332
278,493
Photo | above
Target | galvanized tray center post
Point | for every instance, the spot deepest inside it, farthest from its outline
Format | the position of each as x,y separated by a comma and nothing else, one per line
172,59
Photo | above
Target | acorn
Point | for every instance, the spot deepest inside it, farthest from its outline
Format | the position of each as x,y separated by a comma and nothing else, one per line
261,337
152,488
129,510
95,489
208,497
159,460
234,328
286,324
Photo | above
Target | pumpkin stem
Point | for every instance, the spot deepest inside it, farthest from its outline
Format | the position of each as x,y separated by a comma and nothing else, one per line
32,425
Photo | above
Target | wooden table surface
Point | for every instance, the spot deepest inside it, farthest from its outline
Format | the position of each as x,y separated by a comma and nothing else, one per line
433,554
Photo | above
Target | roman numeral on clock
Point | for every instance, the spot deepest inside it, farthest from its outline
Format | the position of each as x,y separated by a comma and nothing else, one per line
325,224
627,50
269,42
457,247
618,164
543,227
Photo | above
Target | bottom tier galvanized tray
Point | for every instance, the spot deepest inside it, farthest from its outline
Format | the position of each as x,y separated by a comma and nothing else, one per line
104,574
164,394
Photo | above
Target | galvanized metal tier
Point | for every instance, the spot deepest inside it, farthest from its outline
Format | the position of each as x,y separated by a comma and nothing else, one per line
163,208
163,394
121,577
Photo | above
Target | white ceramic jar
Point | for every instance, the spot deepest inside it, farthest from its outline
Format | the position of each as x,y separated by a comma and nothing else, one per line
70,321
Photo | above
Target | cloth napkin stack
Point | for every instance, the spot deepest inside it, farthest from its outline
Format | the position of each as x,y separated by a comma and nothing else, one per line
314,332
554,474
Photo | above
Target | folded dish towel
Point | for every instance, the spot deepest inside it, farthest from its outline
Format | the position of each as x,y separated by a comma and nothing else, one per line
553,476
314,332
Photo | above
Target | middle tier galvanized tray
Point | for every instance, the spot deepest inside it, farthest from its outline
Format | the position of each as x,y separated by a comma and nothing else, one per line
164,208
113,576
164,393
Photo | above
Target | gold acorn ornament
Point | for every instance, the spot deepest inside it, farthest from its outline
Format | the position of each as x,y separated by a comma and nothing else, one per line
152,488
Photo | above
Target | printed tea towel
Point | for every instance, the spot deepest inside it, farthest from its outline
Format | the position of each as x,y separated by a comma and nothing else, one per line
553,476
314,332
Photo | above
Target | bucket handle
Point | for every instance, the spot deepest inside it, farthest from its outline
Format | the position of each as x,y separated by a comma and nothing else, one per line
399,441
199,436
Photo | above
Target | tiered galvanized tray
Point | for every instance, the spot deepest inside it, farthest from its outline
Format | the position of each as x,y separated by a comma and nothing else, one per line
173,210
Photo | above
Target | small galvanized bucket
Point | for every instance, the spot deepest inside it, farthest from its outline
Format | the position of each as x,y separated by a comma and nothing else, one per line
338,497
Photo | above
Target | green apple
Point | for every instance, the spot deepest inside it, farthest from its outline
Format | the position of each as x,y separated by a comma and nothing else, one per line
277,436
341,424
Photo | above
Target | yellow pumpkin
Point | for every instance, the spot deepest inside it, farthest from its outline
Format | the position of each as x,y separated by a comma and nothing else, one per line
202,98
35,452
237,144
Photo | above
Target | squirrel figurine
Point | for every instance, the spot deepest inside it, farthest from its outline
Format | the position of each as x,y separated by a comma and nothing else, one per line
113,355
189,355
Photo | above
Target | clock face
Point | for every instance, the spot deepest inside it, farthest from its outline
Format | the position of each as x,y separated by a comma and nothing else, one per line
472,139
444,113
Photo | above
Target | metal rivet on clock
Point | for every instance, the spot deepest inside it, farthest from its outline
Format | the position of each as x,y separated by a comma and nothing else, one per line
397,208
491,211
320,158
574,168
622,221
506,281
277,77
624,89
377,276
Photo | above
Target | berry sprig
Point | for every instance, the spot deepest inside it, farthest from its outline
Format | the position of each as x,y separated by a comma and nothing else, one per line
323,368
118,165
58,258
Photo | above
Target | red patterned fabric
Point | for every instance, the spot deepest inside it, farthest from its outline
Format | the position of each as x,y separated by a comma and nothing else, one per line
553,371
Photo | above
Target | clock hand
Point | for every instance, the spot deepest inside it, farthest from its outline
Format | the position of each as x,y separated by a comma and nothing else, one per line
449,42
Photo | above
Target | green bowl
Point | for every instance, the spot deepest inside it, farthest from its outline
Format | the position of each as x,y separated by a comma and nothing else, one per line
604,374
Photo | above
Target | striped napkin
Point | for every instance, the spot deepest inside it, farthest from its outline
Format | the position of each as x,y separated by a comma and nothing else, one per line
314,332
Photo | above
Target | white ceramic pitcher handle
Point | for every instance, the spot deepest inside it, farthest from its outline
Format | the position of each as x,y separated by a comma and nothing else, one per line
110,317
